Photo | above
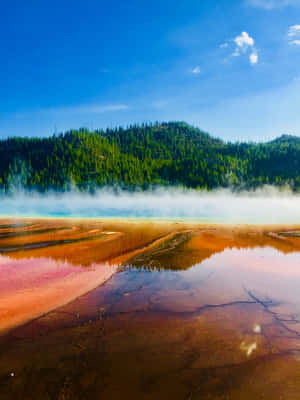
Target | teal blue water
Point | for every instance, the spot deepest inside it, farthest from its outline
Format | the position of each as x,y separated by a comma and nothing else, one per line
222,206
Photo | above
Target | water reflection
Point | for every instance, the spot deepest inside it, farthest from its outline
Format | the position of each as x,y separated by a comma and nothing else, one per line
193,313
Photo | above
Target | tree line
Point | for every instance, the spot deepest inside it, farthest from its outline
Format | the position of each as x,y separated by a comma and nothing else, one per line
147,155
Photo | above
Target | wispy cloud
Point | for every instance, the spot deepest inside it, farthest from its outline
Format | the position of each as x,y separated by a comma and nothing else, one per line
272,4
71,111
294,35
294,30
98,109
224,45
160,104
196,70
77,110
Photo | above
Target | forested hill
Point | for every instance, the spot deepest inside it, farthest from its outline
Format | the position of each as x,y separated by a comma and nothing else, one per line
144,156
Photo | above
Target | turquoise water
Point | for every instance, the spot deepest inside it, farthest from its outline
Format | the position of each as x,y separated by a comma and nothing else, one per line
220,206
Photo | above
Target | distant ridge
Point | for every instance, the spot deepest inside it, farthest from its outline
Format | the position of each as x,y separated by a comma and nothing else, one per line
286,139
145,156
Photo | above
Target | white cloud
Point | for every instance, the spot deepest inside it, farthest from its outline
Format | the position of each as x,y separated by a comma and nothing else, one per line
244,41
294,35
294,30
196,70
272,4
253,57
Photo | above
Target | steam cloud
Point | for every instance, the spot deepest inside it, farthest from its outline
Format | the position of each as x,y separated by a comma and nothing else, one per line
267,205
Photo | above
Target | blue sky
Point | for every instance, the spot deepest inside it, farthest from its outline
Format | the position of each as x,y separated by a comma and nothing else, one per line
229,67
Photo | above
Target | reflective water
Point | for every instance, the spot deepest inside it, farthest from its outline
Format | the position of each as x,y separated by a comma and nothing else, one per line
193,312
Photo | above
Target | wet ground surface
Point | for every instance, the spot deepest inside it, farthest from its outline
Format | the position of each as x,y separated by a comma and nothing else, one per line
191,312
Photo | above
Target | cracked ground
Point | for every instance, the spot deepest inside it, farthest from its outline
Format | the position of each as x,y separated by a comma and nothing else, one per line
198,313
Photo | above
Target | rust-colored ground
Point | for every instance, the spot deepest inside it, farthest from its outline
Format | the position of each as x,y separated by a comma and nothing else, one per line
185,311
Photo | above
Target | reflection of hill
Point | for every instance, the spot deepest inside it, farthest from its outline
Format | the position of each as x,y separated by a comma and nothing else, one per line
79,242
170,255
185,250
177,246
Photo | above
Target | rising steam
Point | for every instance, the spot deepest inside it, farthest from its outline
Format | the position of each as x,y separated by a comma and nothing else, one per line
267,205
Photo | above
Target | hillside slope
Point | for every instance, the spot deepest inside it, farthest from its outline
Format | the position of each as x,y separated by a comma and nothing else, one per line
173,153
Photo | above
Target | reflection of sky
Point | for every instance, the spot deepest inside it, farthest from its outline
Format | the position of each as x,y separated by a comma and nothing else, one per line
30,286
228,278
266,271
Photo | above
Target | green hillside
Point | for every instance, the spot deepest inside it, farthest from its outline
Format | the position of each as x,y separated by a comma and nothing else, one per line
173,153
